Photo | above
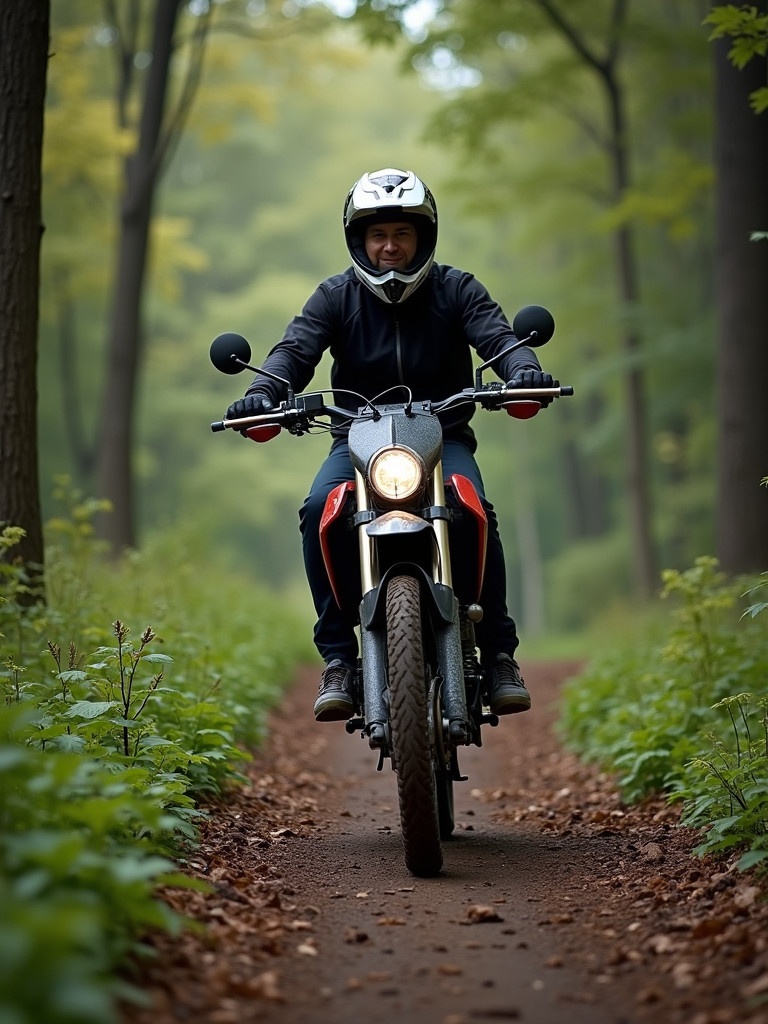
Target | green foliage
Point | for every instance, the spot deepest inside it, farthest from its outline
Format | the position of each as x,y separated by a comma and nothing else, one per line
105,755
652,713
727,790
748,28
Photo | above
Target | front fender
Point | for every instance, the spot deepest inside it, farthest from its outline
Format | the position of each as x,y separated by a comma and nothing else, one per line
395,522
440,598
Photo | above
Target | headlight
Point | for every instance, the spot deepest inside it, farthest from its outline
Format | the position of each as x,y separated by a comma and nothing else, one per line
396,474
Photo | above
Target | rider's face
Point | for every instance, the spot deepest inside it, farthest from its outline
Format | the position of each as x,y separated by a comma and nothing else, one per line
391,246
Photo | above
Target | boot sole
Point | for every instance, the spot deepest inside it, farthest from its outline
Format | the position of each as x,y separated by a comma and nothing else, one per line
334,711
511,707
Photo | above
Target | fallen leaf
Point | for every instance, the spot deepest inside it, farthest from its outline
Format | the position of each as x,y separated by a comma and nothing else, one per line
652,852
746,896
709,926
661,944
267,984
480,914
449,969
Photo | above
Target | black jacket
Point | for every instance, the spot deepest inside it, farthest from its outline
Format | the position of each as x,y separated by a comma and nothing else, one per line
424,343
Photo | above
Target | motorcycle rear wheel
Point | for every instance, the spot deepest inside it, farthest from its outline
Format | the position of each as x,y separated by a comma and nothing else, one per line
410,729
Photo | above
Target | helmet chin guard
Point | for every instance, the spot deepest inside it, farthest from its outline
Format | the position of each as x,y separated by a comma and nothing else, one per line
385,196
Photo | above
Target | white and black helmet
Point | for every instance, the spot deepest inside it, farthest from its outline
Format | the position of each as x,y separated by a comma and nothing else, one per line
391,195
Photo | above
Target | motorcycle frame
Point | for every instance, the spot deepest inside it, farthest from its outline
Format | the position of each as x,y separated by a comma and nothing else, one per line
436,585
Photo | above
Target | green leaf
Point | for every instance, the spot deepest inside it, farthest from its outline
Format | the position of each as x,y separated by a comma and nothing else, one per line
69,743
751,858
89,708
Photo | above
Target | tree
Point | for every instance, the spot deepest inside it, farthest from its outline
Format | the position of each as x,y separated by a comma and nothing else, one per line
24,35
741,273
595,39
158,132
161,120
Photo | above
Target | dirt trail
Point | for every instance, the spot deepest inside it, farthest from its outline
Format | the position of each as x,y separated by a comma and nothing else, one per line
556,903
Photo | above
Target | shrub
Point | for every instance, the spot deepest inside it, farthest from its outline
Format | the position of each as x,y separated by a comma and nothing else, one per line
680,716
107,744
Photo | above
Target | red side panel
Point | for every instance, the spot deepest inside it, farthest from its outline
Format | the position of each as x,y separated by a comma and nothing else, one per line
334,506
469,499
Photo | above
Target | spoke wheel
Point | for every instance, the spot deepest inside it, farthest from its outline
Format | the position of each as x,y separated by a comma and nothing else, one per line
409,722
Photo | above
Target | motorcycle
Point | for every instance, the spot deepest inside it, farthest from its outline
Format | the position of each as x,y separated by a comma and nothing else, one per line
419,687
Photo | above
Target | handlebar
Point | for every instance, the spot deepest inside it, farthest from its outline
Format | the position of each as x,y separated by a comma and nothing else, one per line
303,409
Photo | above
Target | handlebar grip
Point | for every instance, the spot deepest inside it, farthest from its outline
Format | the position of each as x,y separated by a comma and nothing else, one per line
218,425
566,389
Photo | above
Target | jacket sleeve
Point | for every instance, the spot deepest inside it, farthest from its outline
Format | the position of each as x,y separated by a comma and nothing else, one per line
488,330
296,356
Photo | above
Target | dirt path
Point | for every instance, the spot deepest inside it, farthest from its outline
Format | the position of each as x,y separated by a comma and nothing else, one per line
556,903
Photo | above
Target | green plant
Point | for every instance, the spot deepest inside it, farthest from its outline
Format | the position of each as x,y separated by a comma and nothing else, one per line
727,790
104,757
79,864
748,28
645,711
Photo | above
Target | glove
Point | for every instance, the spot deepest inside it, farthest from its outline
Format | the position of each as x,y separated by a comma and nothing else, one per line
254,404
532,379
535,379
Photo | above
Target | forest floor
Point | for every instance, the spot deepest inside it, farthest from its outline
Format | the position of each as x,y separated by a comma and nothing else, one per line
557,903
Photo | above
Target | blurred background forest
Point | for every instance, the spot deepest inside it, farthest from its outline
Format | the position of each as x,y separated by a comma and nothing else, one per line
511,120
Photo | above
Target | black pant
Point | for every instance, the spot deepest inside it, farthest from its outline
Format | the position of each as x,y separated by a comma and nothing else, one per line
335,629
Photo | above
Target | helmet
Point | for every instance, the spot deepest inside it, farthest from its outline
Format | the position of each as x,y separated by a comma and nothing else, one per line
391,195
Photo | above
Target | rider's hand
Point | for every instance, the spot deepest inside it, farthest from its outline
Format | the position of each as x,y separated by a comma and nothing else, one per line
255,404
534,379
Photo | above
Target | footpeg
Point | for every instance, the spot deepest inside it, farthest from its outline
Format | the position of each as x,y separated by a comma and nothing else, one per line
377,736
353,724
458,732
489,719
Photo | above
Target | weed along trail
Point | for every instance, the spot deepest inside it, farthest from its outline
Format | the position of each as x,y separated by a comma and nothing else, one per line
556,903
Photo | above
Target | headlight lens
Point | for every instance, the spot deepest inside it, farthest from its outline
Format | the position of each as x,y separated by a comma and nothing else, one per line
396,474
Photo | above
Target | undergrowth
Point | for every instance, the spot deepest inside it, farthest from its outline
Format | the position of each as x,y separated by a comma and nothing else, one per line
686,712
111,735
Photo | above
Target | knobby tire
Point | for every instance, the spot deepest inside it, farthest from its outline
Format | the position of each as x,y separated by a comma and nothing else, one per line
410,729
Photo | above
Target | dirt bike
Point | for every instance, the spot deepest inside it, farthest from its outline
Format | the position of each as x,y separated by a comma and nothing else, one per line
419,686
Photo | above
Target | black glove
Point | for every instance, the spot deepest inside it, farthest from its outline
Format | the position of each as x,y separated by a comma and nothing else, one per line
532,379
535,379
254,404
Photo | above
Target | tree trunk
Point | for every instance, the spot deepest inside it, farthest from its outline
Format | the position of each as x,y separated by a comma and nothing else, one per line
24,36
741,288
125,343
638,477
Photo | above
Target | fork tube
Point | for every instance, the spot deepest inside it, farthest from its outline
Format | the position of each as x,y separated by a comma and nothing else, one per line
448,636
441,564
372,647
368,563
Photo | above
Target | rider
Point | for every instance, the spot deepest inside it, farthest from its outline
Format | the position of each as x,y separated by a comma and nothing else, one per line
395,317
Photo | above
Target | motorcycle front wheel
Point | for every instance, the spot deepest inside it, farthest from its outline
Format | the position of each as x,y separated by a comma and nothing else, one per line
409,724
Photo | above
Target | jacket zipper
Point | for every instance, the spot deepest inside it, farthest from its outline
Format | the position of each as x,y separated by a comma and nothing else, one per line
398,352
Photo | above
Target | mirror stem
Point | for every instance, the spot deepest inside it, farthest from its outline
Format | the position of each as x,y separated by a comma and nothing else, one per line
500,355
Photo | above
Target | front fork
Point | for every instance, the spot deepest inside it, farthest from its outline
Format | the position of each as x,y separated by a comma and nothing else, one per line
445,616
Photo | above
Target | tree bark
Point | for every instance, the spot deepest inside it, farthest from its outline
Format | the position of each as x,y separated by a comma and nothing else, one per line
638,475
24,37
114,465
741,289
